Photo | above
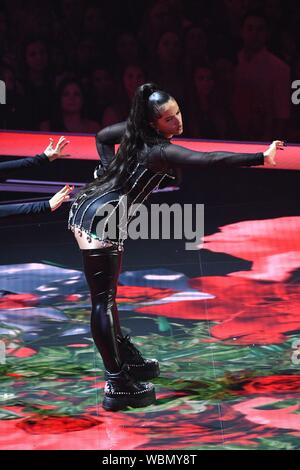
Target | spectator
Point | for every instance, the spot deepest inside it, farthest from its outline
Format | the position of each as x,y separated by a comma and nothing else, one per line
94,22
69,112
133,77
126,49
102,91
224,70
38,83
166,68
38,19
195,49
86,56
159,18
205,117
262,84
11,115
68,25
227,19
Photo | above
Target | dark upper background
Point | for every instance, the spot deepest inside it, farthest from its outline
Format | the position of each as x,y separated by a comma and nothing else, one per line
73,65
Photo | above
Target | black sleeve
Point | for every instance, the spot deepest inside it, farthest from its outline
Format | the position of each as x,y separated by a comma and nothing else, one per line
30,162
106,139
174,156
25,208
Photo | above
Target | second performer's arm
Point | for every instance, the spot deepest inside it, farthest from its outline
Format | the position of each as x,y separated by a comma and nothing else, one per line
34,208
50,153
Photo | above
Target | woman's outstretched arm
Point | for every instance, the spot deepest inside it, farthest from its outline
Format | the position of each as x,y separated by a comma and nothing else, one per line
180,156
177,156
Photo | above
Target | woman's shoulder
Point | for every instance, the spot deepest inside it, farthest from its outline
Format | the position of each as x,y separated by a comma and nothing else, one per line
155,156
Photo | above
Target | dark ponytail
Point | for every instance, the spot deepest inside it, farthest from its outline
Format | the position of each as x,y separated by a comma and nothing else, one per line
145,109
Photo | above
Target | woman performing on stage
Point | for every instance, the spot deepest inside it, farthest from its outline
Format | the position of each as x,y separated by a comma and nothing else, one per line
29,208
145,157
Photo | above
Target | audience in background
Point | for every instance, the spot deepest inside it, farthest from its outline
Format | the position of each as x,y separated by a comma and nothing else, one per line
72,65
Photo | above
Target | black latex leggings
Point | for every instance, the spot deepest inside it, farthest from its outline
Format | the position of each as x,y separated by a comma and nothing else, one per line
102,267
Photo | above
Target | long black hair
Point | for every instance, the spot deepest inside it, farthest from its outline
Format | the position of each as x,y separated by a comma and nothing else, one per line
145,109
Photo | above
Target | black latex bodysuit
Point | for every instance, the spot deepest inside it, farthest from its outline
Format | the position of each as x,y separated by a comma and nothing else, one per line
154,164
102,265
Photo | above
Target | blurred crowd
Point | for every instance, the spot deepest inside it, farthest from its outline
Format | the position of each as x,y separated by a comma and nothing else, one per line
74,65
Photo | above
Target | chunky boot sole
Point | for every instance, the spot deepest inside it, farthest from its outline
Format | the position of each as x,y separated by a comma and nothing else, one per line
144,371
121,402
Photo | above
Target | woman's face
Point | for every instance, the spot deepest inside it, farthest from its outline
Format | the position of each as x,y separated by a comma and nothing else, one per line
254,33
127,48
132,79
102,82
93,21
71,100
196,41
170,121
159,17
36,56
169,48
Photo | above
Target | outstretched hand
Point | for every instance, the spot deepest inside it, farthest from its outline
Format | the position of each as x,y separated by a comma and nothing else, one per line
60,197
54,152
271,152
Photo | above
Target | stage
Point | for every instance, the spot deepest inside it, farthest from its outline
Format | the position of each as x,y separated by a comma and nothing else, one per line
223,321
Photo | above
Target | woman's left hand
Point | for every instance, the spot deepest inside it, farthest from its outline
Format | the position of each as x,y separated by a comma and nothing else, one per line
271,152
53,152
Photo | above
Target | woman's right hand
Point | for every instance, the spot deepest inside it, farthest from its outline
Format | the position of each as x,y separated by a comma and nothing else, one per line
60,197
271,152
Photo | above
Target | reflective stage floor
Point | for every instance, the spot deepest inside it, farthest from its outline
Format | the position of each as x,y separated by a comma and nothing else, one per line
223,321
